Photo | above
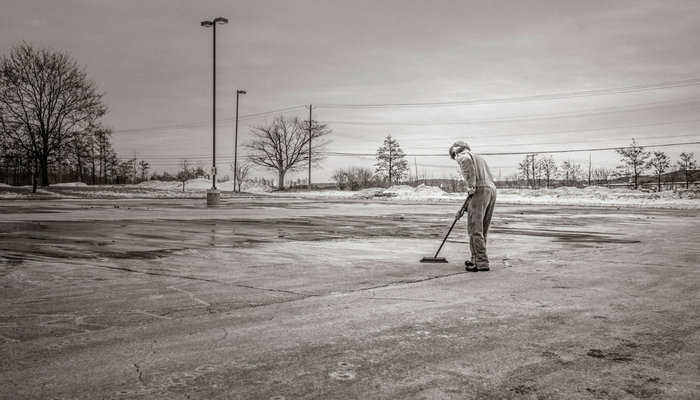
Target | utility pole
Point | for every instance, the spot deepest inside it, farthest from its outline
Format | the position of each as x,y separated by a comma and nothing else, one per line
533,168
589,169
416,165
311,107
235,145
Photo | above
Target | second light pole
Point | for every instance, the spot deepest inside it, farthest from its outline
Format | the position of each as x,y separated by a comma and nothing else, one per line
213,195
235,143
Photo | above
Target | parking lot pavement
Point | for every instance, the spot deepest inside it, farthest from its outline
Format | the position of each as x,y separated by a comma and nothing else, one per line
301,298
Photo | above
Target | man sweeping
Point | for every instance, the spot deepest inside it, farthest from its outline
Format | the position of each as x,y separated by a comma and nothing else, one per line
482,190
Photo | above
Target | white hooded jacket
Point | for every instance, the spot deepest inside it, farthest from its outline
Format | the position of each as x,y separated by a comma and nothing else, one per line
474,170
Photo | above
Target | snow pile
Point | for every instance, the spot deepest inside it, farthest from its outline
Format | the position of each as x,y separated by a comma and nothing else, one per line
252,187
70,184
599,196
159,185
429,191
192,185
202,185
421,192
369,193
688,193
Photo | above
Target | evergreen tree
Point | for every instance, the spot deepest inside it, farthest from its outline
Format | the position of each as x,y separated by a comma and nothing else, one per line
391,161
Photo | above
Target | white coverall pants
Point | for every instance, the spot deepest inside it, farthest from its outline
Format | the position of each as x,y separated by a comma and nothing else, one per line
479,216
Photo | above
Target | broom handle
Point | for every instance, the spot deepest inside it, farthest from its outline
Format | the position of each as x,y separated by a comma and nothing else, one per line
445,239
453,225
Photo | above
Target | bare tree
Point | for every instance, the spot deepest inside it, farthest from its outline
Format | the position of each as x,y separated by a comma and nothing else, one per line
634,159
78,154
186,171
659,164
671,179
102,152
283,145
602,175
689,167
456,183
571,172
340,178
144,167
45,99
364,176
353,177
549,169
199,169
241,171
525,170
513,180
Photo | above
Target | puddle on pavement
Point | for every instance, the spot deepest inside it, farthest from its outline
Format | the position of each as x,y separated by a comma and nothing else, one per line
149,239
138,239
564,236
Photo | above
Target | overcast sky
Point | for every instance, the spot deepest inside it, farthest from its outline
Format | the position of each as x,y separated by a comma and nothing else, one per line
522,77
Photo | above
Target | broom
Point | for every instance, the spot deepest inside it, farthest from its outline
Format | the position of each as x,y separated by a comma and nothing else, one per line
437,259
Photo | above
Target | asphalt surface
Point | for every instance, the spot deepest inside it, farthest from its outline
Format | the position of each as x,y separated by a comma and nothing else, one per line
311,299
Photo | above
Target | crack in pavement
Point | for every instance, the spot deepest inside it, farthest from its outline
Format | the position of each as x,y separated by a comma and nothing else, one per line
150,314
155,274
408,299
138,370
304,295
191,295
138,364
405,282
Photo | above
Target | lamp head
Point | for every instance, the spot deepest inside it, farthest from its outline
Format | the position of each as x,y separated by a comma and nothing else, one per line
241,91
221,20
207,24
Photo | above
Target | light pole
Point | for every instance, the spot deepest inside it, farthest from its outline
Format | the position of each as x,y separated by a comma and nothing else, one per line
235,143
213,194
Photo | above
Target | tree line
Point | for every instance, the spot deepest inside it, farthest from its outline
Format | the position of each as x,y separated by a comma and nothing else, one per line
543,172
50,132
50,128
391,168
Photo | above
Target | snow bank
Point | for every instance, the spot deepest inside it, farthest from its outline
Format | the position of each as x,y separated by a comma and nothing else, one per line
201,185
252,187
192,185
563,196
601,196
69,184
404,192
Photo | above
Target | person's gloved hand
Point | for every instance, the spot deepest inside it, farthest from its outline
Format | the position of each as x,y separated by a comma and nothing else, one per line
459,214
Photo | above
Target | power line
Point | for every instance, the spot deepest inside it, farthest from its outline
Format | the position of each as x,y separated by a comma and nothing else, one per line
590,141
599,92
361,153
572,130
198,124
515,152
555,96
567,114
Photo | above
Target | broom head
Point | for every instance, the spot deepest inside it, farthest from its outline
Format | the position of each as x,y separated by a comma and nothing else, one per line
434,259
